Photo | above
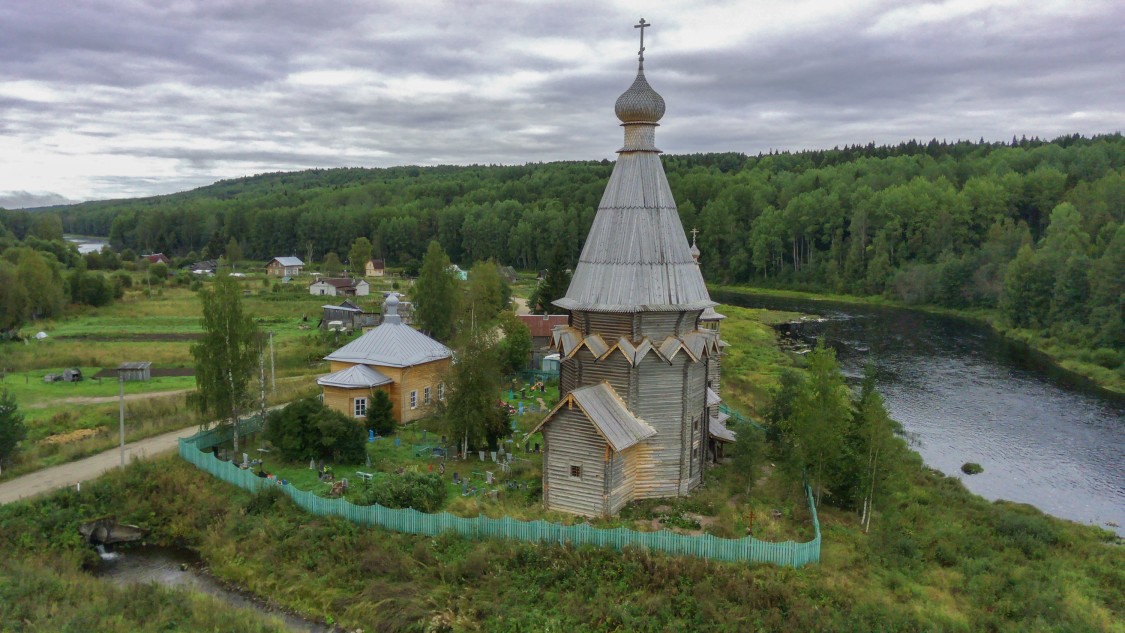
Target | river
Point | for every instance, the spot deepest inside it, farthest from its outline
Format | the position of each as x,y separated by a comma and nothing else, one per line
87,244
965,394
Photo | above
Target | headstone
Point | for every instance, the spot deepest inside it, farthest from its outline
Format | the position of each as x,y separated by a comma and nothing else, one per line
488,477
494,456
521,408
509,457
456,477
537,447
464,488
482,456
312,464
245,460
370,435
398,442
423,435
369,461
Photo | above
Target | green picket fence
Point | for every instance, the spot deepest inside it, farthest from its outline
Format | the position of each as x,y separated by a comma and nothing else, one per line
748,549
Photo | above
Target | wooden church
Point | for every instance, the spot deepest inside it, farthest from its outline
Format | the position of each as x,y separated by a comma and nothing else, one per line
634,418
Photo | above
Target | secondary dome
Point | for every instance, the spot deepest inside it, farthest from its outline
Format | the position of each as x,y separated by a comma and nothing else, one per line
640,103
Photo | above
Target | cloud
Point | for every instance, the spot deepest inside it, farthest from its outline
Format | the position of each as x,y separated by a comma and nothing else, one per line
109,99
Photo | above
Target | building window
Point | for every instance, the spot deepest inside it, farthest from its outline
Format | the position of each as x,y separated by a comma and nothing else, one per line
413,399
426,396
576,471
360,407
441,391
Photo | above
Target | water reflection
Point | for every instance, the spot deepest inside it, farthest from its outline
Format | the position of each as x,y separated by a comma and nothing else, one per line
1044,436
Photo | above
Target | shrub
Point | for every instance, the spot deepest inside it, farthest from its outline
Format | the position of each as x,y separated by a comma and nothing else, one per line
424,492
306,429
972,468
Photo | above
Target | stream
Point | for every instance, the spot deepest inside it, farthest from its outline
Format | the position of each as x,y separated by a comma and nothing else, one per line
179,569
962,393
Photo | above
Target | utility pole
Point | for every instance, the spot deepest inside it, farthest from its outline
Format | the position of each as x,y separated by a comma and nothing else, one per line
273,370
121,401
262,381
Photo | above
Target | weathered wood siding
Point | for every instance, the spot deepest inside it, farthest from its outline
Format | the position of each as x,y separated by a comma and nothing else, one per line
660,325
571,440
714,373
614,369
659,403
695,400
609,325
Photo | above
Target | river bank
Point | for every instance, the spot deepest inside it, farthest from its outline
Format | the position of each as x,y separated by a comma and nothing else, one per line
1064,357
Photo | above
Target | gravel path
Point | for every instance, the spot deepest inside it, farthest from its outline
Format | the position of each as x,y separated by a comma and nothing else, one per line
65,475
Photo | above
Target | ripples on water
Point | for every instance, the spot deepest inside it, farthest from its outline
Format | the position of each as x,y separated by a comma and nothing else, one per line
966,395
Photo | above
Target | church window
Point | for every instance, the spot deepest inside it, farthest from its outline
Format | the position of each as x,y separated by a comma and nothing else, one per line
413,399
441,391
575,471
360,407
426,396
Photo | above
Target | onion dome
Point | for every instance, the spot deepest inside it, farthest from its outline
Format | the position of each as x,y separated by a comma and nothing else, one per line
640,103
390,309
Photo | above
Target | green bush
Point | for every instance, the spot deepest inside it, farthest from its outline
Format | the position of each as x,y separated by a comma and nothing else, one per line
306,429
972,468
424,492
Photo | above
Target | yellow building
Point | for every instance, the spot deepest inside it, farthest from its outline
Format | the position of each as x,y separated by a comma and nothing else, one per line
393,357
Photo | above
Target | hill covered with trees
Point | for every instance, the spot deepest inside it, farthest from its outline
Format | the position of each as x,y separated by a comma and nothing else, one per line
1032,228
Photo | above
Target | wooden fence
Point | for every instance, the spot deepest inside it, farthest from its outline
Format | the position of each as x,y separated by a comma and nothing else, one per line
748,549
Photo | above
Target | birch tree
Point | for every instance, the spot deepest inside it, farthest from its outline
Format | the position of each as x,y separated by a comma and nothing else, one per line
226,355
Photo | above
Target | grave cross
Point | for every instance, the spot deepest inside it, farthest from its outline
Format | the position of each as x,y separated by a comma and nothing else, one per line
642,26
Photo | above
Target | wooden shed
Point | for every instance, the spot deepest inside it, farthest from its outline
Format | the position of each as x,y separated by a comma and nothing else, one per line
134,371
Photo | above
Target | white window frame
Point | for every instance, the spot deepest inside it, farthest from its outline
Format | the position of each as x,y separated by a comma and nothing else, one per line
357,404
426,395
414,399
441,391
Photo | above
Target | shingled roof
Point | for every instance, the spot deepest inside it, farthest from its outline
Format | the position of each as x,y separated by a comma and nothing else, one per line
637,257
602,406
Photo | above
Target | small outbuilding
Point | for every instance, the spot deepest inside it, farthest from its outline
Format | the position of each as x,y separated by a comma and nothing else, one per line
340,287
129,372
375,268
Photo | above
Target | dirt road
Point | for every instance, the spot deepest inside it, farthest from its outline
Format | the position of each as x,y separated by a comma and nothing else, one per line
65,475
129,397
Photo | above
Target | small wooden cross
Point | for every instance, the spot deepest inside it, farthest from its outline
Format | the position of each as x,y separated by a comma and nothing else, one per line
642,26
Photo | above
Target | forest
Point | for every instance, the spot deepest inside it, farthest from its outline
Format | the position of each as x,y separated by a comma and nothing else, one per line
1032,228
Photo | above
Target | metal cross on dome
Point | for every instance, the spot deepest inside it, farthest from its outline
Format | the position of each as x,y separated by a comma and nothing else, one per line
642,25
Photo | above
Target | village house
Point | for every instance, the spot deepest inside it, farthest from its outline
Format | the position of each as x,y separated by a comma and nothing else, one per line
393,357
340,287
540,326
157,258
375,268
284,267
634,417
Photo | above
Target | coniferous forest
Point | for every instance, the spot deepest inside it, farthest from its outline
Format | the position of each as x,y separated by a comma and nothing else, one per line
1032,228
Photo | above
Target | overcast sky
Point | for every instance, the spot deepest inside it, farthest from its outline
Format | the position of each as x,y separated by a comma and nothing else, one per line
120,98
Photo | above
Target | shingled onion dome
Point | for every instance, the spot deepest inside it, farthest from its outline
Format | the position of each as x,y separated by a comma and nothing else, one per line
639,108
640,103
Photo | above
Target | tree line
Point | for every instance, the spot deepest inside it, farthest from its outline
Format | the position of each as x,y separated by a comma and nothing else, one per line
1031,227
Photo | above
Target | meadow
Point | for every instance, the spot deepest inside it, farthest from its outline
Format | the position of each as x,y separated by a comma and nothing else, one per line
68,421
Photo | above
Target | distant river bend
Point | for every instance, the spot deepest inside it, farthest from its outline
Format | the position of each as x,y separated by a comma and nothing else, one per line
965,394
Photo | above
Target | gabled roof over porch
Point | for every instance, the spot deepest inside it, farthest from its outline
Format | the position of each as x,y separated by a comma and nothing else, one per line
608,413
354,377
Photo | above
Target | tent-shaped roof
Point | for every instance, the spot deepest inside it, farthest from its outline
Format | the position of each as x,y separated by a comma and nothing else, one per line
712,397
392,344
636,257
609,415
354,377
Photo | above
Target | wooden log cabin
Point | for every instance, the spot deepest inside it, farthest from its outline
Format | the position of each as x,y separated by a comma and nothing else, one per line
633,420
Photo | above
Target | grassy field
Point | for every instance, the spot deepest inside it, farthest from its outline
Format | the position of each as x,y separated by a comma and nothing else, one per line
68,421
